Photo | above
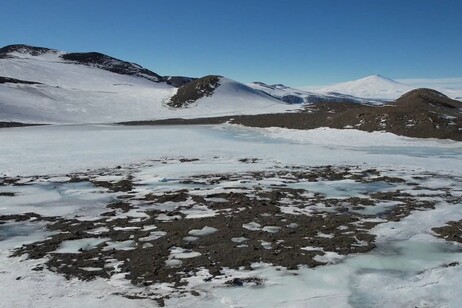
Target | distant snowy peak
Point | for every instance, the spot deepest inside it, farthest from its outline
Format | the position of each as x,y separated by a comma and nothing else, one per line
374,86
377,78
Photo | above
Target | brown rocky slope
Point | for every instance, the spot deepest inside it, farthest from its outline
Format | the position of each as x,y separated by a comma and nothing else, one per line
421,113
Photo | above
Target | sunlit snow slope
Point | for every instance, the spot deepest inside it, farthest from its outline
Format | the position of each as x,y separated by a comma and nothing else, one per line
233,97
298,96
74,93
71,92
374,86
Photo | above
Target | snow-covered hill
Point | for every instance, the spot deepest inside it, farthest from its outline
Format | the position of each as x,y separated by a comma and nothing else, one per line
298,96
374,86
95,88
231,96
73,93
92,59
42,85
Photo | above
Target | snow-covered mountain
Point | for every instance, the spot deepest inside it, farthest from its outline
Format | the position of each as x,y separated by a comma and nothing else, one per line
68,92
374,86
211,90
386,89
92,59
43,85
52,86
298,96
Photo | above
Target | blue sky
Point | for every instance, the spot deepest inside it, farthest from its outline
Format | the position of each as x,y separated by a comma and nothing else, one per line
295,42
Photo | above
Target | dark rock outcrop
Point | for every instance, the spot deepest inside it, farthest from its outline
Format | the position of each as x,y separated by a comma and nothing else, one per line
13,80
295,96
422,113
177,81
194,90
111,64
95,59
428,99
293,99
24,49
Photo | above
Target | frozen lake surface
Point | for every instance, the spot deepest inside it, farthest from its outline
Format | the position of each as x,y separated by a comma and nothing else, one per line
61,149
410,266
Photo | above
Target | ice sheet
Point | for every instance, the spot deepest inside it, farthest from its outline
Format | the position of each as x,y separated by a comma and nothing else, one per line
218,148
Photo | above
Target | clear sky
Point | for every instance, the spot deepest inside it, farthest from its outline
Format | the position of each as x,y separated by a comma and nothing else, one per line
295,42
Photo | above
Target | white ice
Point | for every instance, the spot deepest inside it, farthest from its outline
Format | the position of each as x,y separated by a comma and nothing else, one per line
56,199
76,246
120,245
202,232
154,235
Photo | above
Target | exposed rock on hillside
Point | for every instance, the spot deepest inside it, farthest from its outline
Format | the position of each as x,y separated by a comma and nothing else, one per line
111,64
178,81
194,90
24,49
428,99
421,113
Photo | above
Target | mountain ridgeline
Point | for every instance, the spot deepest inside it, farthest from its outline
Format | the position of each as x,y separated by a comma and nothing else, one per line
111,64
42,85
24,49
98,60
95,59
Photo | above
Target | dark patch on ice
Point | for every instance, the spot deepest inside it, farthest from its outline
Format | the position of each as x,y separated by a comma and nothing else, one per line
7,194
122,185
239,282
248,160
17,124
240,213
16,81
451,232
27,217
123,206
188,160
